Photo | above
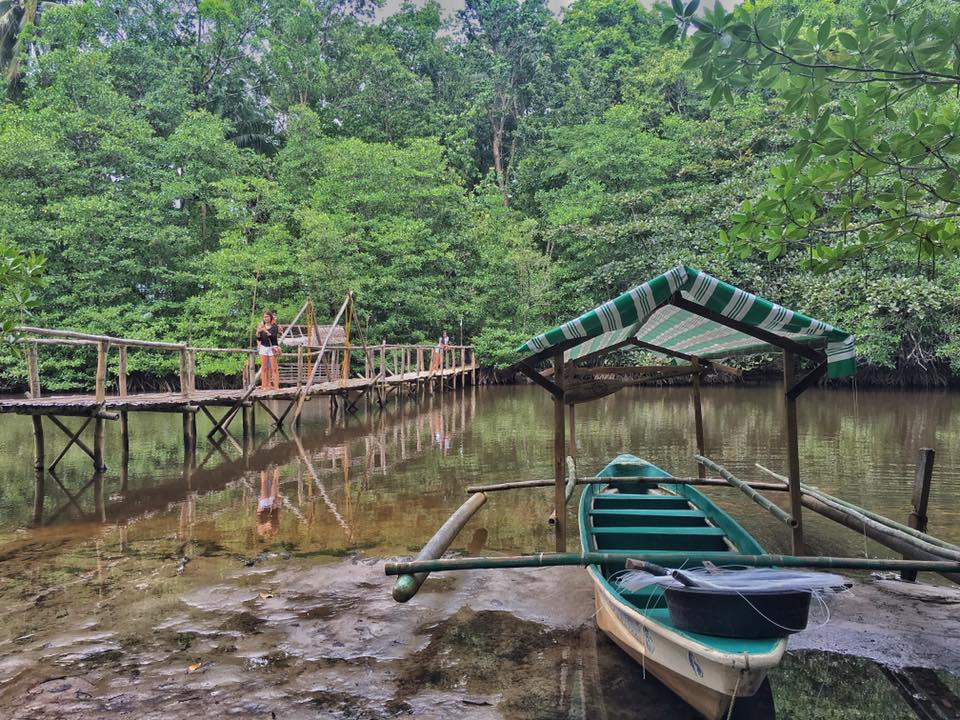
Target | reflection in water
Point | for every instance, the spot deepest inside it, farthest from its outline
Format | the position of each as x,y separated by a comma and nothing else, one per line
269,503
165,529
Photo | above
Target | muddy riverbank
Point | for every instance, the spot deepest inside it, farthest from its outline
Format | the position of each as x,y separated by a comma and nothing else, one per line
280,635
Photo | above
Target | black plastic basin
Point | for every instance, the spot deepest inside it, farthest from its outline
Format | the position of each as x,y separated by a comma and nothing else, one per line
738,614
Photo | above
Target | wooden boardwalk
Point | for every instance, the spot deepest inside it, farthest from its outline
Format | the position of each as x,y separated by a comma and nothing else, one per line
86,405
317,362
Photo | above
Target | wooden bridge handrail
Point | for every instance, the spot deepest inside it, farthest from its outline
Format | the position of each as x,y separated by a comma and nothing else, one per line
94,339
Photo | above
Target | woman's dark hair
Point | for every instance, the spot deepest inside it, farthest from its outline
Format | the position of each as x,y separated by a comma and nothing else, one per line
272,313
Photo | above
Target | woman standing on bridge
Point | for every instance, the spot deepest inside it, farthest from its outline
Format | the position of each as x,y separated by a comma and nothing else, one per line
268,359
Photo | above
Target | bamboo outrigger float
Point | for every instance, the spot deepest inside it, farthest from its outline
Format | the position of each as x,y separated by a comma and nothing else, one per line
634,511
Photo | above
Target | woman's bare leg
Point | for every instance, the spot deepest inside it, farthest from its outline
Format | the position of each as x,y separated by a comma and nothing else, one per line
266,374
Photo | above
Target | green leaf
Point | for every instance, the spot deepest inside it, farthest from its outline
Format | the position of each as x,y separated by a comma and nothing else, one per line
848,41
669,34
677,6
691,8
823,34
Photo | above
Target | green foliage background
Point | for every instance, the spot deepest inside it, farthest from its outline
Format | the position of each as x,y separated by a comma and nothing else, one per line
502,169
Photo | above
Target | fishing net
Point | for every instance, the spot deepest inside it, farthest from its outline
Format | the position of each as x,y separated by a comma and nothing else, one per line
736,580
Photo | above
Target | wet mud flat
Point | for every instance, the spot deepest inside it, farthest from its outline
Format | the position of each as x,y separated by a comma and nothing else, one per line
196,630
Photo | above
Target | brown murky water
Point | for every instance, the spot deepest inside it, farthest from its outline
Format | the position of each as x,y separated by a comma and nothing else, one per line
252,584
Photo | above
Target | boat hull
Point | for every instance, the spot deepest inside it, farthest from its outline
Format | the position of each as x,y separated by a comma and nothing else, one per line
706,684
707,672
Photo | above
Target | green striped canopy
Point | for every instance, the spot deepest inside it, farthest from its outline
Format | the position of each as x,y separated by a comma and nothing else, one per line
645,313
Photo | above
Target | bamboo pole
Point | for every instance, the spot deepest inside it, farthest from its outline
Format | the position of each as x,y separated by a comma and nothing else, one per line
793,453
70,334
302,395
743,487
824,497
880,535
711,482
408,585
663,558
921,496
559,459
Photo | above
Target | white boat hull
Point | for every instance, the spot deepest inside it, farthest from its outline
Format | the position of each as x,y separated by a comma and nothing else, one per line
707,679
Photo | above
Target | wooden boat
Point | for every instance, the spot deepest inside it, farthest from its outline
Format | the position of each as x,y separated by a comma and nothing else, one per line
708,672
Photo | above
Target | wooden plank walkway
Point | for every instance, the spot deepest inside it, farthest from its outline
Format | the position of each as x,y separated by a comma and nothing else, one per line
84,405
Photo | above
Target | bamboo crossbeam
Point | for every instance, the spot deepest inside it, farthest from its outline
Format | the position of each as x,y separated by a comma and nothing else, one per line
774,509
667,559
716,482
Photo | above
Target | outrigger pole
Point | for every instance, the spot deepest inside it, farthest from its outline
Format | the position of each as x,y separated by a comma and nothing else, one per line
665,558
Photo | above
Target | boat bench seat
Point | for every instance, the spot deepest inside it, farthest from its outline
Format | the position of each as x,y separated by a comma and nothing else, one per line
628,517
632,501
659,538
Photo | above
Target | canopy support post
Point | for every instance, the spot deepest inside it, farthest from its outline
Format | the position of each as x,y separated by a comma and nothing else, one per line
573,430
698,418
793,452
559,457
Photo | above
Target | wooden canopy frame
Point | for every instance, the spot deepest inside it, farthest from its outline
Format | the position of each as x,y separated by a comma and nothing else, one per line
792,389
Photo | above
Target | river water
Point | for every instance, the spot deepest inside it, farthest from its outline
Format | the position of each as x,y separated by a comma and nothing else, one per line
249,582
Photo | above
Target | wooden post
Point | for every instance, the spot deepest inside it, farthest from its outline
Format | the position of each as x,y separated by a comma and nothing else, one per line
921,496
122,371
124,437
38,446
101,378
559,459
189,433
698,418
99,427
39,474
184,373
572,450
33,371
193,371
793,453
